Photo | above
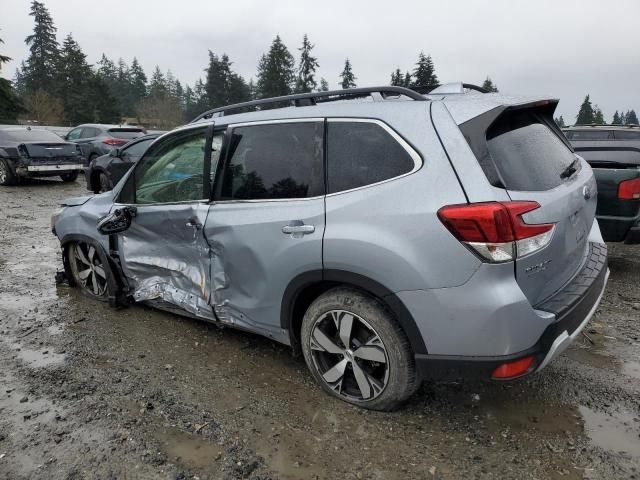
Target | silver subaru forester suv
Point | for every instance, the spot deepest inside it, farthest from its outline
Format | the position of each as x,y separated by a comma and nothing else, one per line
389,236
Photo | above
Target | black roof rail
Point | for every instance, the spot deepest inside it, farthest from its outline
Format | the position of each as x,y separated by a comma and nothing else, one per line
309,99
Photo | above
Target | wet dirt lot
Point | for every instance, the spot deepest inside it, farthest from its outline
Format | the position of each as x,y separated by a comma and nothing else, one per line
87,391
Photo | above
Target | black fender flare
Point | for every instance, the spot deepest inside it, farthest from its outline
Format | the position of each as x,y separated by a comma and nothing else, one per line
397,307
115,279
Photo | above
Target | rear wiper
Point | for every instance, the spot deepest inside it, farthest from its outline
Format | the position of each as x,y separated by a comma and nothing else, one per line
570,170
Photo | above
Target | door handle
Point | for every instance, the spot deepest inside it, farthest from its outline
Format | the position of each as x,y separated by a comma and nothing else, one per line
298,229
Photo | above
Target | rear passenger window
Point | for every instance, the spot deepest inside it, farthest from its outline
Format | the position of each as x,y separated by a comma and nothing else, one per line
361,153
279,160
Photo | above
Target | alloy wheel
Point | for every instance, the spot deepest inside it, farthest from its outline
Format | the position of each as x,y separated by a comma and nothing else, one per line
349,355
88,268
3,173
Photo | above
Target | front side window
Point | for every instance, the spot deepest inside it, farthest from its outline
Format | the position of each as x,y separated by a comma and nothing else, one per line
271,161
89,132
362,153
172,170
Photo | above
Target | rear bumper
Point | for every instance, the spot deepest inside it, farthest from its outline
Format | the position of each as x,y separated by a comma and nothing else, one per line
57,169
573,307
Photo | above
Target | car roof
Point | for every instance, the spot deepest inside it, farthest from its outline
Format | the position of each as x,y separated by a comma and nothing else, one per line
107,126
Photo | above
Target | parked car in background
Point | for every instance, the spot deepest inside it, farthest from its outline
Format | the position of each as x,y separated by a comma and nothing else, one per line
104,172
31,152
613,151
389,241
96,139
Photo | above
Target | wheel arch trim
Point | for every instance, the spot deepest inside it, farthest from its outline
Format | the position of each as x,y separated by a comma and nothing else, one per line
307,279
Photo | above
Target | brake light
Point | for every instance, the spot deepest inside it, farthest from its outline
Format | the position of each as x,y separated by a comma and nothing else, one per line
513,369
629,189
114,141
495,230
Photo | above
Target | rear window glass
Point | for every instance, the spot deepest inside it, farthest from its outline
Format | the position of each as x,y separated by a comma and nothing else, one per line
30,136
624,135
589,135
526,153
126,133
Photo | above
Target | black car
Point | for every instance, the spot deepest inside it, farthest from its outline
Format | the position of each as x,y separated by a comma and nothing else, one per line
27,152
105,171
613,151
96,139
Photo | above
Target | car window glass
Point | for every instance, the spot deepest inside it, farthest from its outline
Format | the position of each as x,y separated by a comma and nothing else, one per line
172,170
589,135
74,134
363,153
627,135
279,160
137,149
89,132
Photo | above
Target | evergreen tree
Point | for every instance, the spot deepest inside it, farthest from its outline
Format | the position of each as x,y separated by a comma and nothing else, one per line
585,114
178,91
251,87
616,119
307,66
348,79
424,75
598,117
489,86
324,85
560,121
138,81
19,82
44,51
107,71
396,78
238,90
73,75
217,85
631,118
407,80
157,84
10,104
275,71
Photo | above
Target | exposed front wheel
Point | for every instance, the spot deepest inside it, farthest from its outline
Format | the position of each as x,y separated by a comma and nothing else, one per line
357,351
7,177
69,177
88,270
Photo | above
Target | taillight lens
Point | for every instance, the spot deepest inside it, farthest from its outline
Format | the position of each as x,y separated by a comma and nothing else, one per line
496,230
629,189
114,141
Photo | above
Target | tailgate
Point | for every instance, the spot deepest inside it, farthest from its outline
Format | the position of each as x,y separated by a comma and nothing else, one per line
526,154
52,153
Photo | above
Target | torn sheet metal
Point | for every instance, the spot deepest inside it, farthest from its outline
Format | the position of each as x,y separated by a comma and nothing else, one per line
165,256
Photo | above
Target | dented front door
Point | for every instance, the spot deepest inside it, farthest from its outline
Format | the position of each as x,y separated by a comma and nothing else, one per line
164,253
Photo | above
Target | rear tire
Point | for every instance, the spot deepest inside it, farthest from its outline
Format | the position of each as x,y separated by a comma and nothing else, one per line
7,177
69,177
89,270
356,350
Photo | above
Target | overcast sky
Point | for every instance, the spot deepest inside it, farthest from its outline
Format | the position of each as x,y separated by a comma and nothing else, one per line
560,48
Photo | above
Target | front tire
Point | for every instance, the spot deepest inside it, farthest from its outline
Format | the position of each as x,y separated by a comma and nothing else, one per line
7,177
104,183
69,177
89,270
356,350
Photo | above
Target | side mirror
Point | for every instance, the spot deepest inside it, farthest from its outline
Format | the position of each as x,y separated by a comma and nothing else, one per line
115,152
117,221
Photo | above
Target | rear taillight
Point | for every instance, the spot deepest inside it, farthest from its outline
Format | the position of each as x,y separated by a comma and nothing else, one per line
629,189
495,230
114,142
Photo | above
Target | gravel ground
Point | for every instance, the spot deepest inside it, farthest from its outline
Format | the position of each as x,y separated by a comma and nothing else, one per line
87,391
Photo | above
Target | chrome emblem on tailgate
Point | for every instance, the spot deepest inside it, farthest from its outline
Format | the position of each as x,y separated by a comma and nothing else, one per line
537,268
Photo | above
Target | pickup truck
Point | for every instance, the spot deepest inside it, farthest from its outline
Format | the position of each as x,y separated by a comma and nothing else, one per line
613,151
